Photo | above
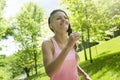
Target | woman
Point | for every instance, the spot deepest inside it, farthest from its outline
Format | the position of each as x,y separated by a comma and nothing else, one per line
59,56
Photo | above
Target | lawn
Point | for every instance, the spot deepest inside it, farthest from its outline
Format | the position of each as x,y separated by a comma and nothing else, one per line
106,61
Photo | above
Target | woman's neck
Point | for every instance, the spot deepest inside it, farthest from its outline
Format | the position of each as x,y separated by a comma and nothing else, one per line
60,38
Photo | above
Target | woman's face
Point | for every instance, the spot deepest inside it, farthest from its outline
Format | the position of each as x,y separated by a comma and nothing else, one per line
59,22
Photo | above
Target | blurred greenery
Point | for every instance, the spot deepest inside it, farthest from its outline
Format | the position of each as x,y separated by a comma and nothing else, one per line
94,20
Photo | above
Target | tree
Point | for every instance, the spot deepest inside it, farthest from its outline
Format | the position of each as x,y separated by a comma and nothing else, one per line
2,20
27,31
2,5
107,10
77,18
80,19
93,18
5,25
14,66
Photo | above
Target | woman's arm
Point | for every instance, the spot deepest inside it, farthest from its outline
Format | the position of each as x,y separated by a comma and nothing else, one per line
52,65
80,70
83,73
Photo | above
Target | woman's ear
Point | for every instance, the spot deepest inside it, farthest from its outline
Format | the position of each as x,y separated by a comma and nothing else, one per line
50,26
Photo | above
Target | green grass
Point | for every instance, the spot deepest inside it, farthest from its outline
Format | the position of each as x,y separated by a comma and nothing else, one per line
40,76
106,61
105,48
105,66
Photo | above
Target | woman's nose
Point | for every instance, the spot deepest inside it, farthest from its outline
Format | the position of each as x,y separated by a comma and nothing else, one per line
63,19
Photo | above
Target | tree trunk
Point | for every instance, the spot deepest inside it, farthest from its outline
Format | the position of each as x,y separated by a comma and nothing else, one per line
83,43
88,28
35,55
35,59
27,71
89,45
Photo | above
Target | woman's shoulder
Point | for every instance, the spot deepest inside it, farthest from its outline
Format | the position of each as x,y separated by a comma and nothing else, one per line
47,43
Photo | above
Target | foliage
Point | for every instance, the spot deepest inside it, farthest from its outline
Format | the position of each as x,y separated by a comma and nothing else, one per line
102,15
4,73
5,25
2,5
13,66
2,28
27,31
2,21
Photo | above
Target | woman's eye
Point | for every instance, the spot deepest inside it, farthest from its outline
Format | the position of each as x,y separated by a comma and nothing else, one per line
66,17
58,18
61,18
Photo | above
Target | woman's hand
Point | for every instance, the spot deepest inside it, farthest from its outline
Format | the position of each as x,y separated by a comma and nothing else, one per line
73,38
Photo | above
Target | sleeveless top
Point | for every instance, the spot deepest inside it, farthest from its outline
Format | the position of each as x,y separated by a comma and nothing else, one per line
68,70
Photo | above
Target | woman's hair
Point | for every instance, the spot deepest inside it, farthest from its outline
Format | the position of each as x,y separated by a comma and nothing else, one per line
52,13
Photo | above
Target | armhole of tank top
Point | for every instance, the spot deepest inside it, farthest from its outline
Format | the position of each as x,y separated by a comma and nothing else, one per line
53,46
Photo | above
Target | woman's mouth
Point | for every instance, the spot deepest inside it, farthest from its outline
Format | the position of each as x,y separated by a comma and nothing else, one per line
63,24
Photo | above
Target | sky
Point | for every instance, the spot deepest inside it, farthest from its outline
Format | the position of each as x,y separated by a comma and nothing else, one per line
9,46
13,6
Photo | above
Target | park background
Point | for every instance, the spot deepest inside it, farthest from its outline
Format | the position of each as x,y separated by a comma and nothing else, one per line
22,33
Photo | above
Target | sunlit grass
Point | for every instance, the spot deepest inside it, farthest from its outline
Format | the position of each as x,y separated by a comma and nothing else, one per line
102,49
106,62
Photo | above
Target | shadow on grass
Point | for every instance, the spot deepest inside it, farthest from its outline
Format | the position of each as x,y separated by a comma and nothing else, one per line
103,53
109,62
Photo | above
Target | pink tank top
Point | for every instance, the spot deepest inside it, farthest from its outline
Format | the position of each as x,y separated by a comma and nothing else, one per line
68,70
